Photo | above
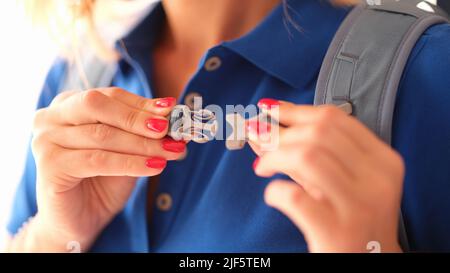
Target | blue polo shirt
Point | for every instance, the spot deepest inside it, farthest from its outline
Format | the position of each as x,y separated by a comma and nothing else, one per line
216,199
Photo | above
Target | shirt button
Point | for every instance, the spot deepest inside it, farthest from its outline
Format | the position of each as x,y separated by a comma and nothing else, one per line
164,201
190,98
212,64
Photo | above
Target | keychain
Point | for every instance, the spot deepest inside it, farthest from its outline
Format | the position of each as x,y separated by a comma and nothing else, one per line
201,125
197,125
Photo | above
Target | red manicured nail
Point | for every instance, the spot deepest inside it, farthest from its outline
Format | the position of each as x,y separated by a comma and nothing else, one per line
157,125
258,128
268,103
156,162
255,163
173,145
165,102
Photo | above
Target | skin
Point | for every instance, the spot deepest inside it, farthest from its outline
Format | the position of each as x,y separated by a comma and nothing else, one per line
193,27
347,183
90,147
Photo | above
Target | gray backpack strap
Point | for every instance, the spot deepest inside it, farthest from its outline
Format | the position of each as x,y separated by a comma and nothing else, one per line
366,60
445,5
88,72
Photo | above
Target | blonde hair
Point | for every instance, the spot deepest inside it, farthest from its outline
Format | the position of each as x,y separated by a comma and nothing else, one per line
71,22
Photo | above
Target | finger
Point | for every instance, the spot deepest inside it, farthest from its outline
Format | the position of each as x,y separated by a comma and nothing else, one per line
255,147
95,107
303,210
330,139
90,163
108,138
287,112
308,166
158,106
62,96
263,135
290,114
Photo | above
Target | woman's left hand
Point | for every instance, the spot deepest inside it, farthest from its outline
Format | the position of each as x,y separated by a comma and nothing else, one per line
348,182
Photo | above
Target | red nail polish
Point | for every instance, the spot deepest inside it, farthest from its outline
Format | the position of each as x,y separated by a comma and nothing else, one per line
255,163
268,103
165,102
258,128
157,125
174,146
156,162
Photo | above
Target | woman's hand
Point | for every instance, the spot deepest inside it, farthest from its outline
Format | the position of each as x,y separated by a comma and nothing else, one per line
348,182
89,148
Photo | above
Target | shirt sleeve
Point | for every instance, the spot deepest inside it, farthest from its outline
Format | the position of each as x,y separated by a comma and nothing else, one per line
24,203
421,133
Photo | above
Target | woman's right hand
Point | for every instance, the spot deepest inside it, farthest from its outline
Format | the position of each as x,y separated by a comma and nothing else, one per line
89,148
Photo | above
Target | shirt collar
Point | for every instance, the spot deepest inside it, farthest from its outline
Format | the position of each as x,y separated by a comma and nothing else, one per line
293,55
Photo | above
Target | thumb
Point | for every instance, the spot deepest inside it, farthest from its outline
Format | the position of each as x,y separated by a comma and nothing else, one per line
293,201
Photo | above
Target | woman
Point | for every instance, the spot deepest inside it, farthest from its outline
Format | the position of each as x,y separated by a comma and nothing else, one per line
94,151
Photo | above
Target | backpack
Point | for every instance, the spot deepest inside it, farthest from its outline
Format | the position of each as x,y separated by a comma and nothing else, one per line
445,5
361,71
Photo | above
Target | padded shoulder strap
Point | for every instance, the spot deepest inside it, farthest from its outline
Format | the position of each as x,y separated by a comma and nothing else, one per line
367,56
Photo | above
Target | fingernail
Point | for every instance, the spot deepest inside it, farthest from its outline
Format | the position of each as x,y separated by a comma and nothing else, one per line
174,146
157,125
156,162
268,103
258,128
255,163
165,102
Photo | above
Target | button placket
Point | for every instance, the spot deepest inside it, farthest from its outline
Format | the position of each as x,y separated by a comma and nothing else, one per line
189,99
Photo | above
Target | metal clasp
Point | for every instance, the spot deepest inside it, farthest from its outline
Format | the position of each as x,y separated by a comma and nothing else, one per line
197,125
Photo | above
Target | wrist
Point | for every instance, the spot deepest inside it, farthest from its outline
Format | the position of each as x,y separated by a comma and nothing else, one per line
393,247
36,235
386,245
62,240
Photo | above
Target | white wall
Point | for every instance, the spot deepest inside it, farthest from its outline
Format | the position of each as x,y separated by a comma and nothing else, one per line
25,57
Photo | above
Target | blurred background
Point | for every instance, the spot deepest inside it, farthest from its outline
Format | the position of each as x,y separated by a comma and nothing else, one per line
25,57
